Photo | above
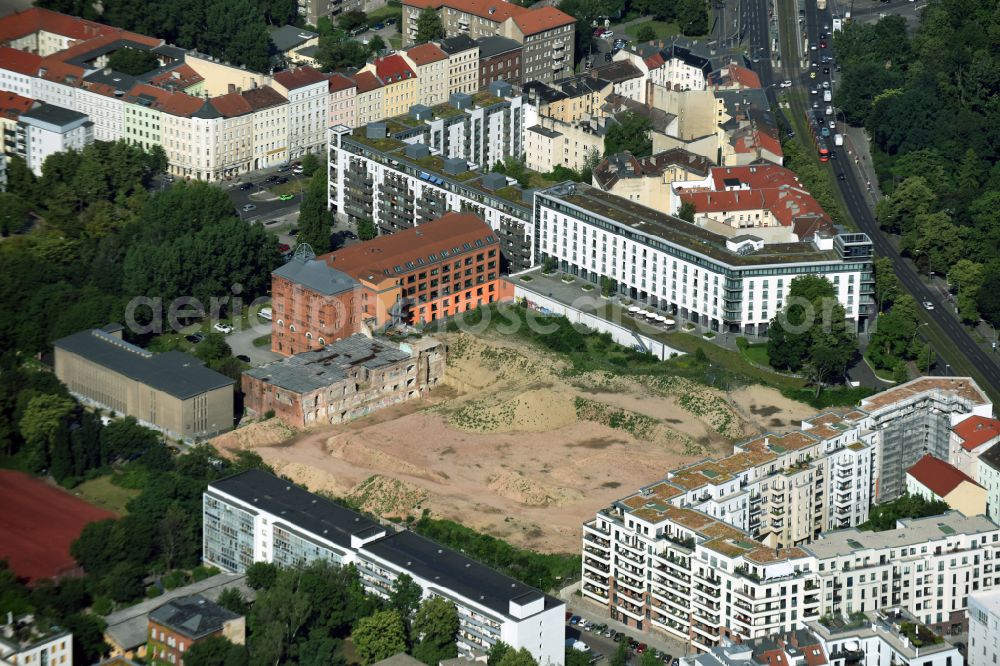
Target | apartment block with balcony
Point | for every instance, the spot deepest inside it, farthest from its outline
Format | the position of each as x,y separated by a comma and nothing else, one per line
373,176
258,517
728,283
548,37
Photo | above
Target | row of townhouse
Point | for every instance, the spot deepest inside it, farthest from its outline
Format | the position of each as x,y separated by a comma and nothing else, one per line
547,36
762,540
215,121
258,517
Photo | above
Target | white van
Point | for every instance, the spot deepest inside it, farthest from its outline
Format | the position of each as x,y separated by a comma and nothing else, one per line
827,96
265,313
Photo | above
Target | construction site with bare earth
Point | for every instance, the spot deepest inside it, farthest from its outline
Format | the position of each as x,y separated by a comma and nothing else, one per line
516,444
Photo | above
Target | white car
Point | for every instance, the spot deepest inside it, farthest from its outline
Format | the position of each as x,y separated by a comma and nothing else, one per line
265,313
928,305
833,124
225,329
826,85
829,110
786,84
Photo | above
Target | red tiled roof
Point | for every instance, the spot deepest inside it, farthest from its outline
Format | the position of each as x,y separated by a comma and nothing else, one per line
13,105
370,259
538,20
182,76
744,77
426,53
175,103
654,61
976,431
367,82
32,20
231,105
263,98
21,62
340,82
938,476
63,72
392,69
497,11
298,77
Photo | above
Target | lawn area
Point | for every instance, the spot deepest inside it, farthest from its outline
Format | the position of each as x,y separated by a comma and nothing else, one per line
757,354
262,341
382,13
295,185
662,29
105,494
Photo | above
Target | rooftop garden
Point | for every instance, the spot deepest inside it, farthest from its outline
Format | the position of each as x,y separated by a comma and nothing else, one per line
918,634
855,620
446,111
486,98
385,145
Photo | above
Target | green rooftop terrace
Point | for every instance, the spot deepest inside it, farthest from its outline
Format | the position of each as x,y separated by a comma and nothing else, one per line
385,145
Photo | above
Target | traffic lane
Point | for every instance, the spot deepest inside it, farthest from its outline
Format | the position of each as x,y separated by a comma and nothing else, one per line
264,208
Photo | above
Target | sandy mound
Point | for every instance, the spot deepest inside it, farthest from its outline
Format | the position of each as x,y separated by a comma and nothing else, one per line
254,435
350,448
536,410
388,497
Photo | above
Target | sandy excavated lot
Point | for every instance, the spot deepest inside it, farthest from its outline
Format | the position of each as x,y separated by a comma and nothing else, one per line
510,443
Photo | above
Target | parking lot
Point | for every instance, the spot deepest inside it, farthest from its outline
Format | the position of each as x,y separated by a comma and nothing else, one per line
603,640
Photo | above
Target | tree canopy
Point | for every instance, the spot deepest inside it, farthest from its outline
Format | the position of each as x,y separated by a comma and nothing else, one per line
428,26
630,133
132,61
379,636
435,628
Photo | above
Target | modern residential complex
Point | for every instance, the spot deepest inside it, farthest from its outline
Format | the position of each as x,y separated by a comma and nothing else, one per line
757,542
48,129
728,282
988,476
984,628
257,517
343,380
173,391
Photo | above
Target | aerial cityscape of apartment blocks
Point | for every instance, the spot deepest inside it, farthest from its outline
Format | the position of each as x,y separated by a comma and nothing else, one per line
765,539
257,517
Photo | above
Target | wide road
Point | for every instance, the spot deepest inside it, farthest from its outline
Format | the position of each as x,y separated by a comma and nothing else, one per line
951,341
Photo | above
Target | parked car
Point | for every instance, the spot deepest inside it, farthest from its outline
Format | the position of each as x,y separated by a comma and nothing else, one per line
286,197
618,636
786,84
243,357
378,26
273,178
667,658
569,616
225,329
284,167
641,648
928,305
246,186
575,620
249,207
607,57
298,170
284,247
195,338
390,21
294,231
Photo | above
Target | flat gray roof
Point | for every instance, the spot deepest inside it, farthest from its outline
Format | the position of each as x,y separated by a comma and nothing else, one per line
56,115
287,37
544,131
181,375
314,370
913,532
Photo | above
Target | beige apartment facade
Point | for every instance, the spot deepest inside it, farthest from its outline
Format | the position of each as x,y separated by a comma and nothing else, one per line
551,143
463,64
172,392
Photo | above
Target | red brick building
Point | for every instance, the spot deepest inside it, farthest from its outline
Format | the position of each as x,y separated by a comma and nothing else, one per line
312,304
499,60
180,623
423,273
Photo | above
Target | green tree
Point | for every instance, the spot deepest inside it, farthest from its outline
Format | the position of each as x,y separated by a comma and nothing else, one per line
21,181
352,19
216,651
366,230
315,221
692,17
630,133
334,54
376,45
379,636
967,278
988,299
88,637
261,575
687,211
213,348
405,596
883,517
886,282
893,337
279,615
645,33
579,658
44,421
310,163
518,658
428,26
435,627
911,198
497,652
608,286
15,214
649,659
132,61
620,657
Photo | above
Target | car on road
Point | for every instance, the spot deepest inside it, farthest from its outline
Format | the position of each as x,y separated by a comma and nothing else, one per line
225,329
246,186
812,75
286,197
249,207
841,176
822,44
928,305
284,247
826,85
284,167
575,620
829,110
826,70
641,648
273,178
812,48
195,338
786,84
814,91
390,21
815,104
833,124
281,181
243,357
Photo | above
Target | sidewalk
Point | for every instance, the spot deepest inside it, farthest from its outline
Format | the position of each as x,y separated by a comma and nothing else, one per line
856,143
594,612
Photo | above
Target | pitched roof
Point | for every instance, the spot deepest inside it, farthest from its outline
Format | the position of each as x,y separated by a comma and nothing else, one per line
231,105
495,45
34,19
392,69
373,258
13,105
340,82
976,431
21,62
619,70
263,98
539,20
744,77
175,103
299,77
938,476
193,616
180,77
314,274
367,82
497,11
424,54
457,44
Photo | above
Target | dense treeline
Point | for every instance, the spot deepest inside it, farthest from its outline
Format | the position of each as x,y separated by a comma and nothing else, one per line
104,239
232,30
883,517
931,104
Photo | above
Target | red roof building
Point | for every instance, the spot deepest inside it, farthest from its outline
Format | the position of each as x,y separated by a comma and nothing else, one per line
938,476
367,82
542,19
21,62
976,431
13,105
300,77
339,82
425,54
392,69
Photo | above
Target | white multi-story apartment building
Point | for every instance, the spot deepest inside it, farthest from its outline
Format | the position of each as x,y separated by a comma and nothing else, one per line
988,476
753,543
21,642
732,283
258,517
984,628
48,129
307,91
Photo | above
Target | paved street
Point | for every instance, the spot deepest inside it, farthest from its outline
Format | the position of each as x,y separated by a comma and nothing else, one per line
241,342
268,205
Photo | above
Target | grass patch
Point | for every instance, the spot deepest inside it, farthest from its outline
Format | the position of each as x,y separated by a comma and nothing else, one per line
757,354
663,29
262,341
387,11
295,185
526,278
103,492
